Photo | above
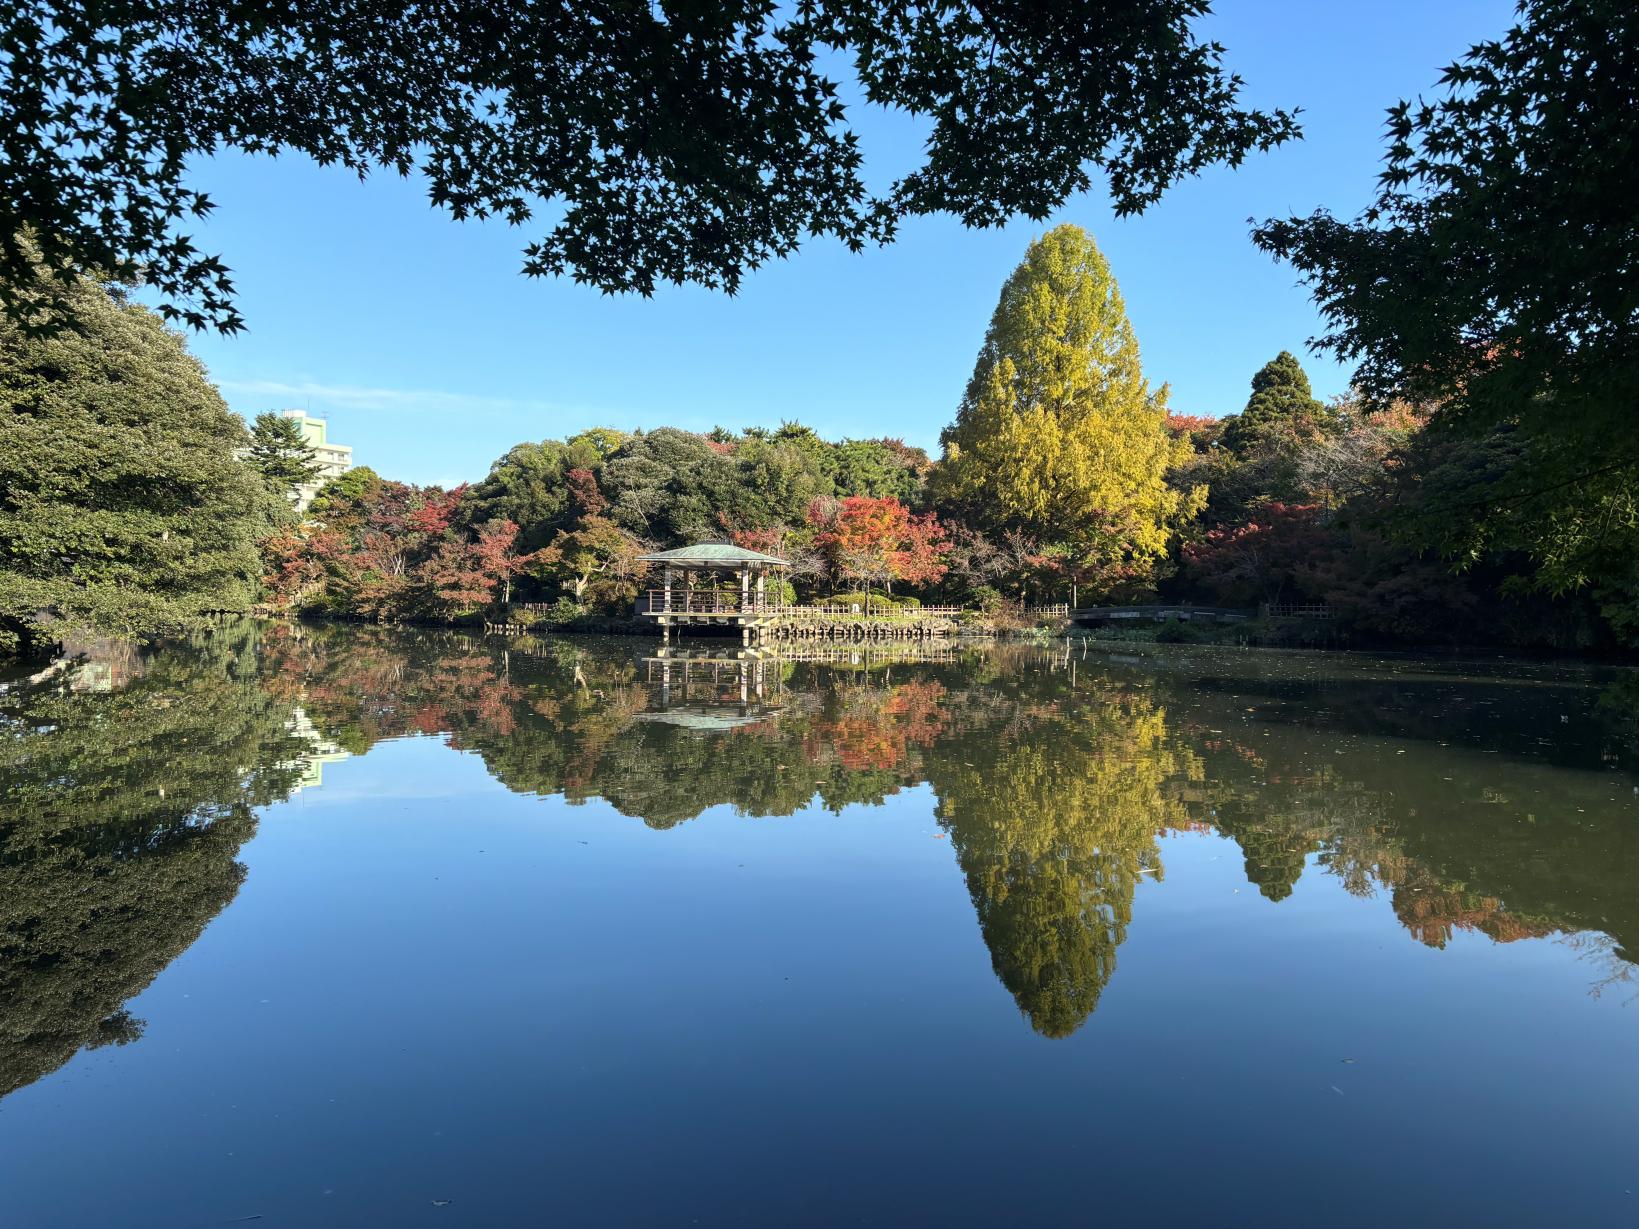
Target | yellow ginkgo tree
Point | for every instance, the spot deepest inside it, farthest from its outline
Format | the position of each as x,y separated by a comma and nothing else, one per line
1059,436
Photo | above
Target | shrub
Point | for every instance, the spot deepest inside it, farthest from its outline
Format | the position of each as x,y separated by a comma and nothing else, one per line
564,610
873,603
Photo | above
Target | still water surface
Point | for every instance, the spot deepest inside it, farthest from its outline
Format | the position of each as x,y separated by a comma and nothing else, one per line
359,927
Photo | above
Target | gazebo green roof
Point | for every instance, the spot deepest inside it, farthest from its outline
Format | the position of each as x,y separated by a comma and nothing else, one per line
712,554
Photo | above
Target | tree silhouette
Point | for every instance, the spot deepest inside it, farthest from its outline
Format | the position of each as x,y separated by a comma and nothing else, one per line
675,142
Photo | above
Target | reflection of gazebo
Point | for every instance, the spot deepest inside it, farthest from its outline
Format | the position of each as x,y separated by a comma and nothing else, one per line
709,692
670,606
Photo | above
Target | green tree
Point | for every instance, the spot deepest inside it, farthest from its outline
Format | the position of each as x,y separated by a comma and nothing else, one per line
1282,405
1059,436
881,469
281,455
596,559
1493,276
669,486
123,501
527,487
676,142
777,476
344,491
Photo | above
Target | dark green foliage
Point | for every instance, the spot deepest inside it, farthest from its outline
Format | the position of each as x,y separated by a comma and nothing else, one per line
668,486
1282,404
280,454
123,501
1275,845
881,469
123,812
529,487
681,142
673,487
1407,531
1494,280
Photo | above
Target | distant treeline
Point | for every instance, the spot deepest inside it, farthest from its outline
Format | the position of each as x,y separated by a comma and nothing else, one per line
1078,486
135,501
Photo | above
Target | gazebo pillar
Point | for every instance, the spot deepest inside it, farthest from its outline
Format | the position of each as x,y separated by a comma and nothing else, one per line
710,563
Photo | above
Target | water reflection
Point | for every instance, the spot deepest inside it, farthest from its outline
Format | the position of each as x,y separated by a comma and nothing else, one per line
1492,804
129,786
1054,807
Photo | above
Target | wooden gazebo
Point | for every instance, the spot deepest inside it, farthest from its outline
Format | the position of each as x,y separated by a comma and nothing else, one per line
671,606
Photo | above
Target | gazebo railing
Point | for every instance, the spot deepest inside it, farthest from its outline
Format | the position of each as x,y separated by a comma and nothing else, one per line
707,601
831,610
716,602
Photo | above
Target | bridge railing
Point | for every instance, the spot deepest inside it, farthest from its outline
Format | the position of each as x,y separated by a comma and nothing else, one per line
1158,612
858,610
1302,610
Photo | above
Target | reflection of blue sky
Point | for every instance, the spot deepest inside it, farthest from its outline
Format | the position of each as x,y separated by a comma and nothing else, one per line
501,1001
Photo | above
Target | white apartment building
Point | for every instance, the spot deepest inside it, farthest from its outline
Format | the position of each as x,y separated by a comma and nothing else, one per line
333,460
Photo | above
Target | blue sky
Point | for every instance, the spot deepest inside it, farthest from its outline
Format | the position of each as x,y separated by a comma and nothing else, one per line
429,353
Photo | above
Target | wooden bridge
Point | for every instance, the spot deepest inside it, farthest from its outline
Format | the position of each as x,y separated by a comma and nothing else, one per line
1158,614
1200,614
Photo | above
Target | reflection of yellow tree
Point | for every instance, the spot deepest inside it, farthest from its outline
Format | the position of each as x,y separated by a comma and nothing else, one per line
1053,831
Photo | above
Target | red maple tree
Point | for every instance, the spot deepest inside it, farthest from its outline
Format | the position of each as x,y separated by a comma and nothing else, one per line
879,541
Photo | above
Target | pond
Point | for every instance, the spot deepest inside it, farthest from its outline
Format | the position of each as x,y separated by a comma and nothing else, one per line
356,926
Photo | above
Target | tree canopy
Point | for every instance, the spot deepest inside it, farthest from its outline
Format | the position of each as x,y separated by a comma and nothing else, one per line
671,142
1059,435
1282,402
279,452
123,501
124,810
1493,278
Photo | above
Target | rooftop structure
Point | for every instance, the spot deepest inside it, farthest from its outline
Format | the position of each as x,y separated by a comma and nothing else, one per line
719,555
332,460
